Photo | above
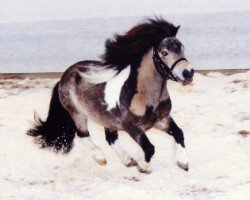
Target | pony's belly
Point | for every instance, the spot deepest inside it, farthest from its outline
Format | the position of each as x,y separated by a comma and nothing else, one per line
108,119
116,119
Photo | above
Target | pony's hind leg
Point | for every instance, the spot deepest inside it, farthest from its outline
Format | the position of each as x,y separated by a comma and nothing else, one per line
168,125
74,107
113,140
82,132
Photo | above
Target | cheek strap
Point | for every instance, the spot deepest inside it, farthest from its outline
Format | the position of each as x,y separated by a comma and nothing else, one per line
164,69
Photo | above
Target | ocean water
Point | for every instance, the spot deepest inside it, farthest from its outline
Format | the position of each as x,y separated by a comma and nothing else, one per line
212,41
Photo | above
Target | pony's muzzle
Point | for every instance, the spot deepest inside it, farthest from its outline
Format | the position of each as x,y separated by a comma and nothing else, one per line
188,76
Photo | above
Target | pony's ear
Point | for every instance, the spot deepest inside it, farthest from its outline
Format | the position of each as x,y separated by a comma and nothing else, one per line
176,29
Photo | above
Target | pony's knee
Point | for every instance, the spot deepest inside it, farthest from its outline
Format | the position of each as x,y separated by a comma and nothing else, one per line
162,124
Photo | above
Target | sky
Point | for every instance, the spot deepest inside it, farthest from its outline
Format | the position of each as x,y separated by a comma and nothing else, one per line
43,10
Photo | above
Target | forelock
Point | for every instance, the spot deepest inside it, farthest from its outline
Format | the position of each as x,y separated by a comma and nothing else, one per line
172,44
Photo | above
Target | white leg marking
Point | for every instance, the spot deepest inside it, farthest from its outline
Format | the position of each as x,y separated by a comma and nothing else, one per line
96,151
139,157
113,88
121,153
182,159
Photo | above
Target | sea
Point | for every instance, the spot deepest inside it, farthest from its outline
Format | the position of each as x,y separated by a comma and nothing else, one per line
211,40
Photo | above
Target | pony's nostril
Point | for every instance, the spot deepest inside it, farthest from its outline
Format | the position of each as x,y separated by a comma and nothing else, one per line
192,72
186,74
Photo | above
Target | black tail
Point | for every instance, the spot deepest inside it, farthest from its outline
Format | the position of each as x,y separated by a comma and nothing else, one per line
58,131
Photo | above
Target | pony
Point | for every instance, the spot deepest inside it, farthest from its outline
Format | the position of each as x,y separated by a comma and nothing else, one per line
125,91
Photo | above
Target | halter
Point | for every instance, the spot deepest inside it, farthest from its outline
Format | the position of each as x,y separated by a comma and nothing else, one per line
165,70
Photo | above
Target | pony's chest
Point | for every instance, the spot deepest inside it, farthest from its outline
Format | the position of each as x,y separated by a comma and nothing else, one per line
151,114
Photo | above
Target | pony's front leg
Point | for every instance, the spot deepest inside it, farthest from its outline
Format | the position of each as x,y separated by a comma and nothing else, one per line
113,140
168,125
143,157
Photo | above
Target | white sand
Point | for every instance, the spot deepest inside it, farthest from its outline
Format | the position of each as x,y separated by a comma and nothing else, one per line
211,113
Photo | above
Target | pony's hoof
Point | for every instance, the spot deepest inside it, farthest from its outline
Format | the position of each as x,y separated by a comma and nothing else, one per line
132,163
144,171
99,157
101,162
144,168
183,165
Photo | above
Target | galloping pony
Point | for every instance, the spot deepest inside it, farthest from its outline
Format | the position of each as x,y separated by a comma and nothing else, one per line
125,91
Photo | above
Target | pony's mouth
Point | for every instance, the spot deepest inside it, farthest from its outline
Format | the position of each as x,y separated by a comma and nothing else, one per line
187,81
184,82
185,78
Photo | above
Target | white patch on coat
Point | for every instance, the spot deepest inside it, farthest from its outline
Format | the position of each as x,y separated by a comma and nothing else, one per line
113,88
97,74
181,155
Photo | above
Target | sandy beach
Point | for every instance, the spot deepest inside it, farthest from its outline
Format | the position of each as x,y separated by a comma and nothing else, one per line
213,112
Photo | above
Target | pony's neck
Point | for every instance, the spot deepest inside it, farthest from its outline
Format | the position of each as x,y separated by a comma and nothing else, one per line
151,86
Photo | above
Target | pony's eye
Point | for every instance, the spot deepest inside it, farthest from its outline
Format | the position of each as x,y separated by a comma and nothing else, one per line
164,53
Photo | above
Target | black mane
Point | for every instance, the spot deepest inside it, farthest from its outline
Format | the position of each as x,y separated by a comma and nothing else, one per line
129,48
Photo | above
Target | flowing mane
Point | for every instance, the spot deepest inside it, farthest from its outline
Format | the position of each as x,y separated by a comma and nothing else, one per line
129,48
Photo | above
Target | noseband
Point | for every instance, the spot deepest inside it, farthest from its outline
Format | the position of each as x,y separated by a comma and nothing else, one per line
165,70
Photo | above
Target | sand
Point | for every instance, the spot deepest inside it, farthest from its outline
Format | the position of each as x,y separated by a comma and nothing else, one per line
213,112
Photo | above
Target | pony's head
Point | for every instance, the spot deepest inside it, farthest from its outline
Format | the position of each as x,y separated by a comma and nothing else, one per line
170,61
159,34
